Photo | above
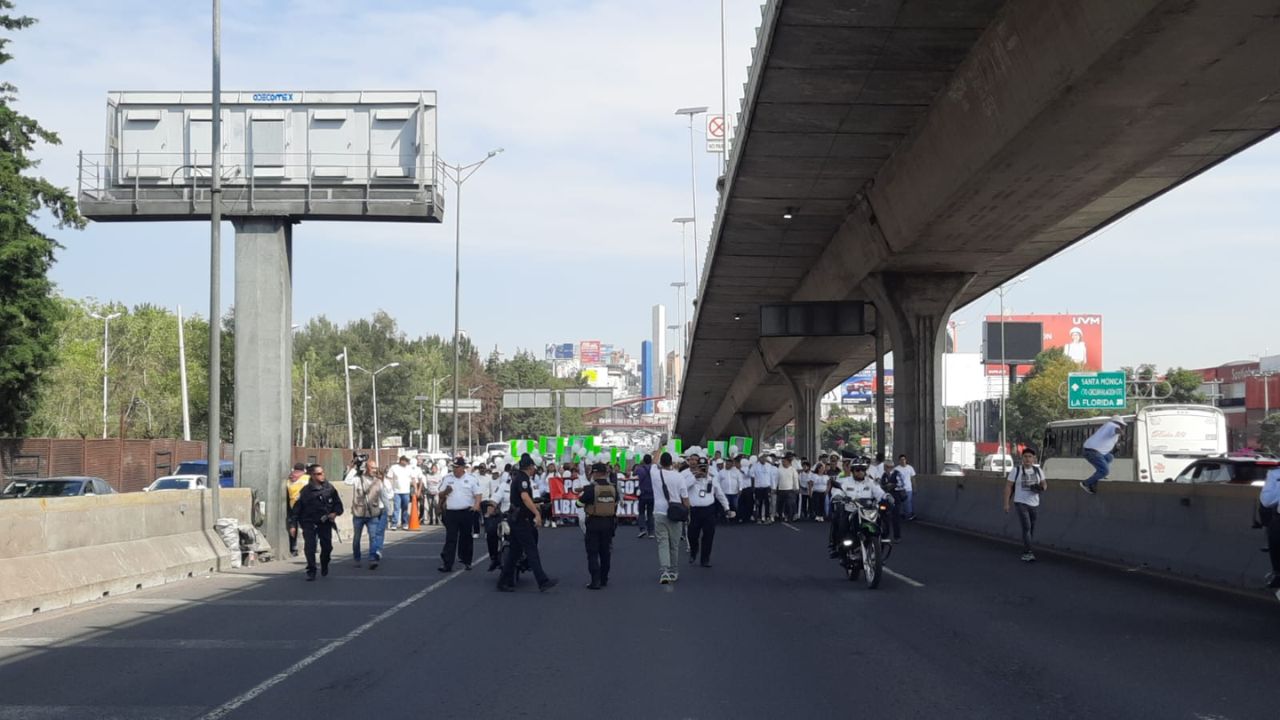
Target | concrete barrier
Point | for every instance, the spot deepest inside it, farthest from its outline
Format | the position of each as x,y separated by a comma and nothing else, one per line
56,552
1196,532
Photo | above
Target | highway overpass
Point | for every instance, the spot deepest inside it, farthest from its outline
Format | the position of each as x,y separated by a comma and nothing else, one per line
914,154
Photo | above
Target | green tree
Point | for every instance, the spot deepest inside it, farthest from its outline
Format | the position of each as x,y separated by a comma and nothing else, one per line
1270,433
1183,386
841,431
29,312
1038,398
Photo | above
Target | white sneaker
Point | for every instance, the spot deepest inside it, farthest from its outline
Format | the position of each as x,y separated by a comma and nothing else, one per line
664,579
475,535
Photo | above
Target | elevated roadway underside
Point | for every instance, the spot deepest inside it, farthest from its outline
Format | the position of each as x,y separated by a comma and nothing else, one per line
942,147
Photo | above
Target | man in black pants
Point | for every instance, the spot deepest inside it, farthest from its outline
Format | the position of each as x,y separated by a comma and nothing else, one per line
704,497
524,520
460,495
318,504
600,502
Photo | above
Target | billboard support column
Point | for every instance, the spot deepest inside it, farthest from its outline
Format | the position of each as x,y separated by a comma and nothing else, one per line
915,308
881,391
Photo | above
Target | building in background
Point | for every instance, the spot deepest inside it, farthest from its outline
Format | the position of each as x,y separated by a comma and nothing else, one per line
659,340
648,373
1247,391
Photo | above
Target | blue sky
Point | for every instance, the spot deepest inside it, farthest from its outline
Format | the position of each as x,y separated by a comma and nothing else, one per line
581,95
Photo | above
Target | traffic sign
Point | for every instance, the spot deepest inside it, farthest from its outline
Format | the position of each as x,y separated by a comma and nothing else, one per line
466,406
1097,391
715,133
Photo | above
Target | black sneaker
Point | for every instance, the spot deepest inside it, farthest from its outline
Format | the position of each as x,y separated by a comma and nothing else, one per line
466,566
311,575
593,585
1086,488
550,583
324,571
373,565
604,582
445,569
506,588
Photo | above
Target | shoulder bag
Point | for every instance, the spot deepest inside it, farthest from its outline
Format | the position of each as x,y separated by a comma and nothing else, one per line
676,512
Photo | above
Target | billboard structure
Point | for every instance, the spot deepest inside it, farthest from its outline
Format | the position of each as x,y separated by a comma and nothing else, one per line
1009,342
589,352
860,389
563,351
1079,336
344,155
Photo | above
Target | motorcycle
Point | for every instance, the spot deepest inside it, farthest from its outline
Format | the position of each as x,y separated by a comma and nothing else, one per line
860,547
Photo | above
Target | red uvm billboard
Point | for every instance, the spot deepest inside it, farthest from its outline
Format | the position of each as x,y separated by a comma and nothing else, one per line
589,352
1079,336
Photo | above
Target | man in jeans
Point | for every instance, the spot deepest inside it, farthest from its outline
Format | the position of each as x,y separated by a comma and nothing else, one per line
366,512
1098,449
644,512
401,476
1026,483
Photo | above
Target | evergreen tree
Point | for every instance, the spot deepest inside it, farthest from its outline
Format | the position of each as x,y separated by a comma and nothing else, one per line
29,312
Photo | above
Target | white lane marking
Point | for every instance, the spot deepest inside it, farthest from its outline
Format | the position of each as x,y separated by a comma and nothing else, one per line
903,578
152,644
793,527
235,703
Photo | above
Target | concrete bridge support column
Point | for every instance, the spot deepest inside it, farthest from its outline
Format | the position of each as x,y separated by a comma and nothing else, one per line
914,308
264,365
753,427
806,399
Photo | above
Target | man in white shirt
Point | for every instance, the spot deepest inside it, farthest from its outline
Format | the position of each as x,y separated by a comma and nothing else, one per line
854,486
1026,483
764,480
906,477
494,504
1098,451
669,488
788,488
706,499
731,482
876,470
1269,499
401,477
818,500
460,495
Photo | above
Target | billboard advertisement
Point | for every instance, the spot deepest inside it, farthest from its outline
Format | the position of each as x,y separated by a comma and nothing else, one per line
860,389
1009,342
1080,336
589,352
563,351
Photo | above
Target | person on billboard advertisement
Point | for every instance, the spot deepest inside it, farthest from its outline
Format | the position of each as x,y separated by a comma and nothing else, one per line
1076,348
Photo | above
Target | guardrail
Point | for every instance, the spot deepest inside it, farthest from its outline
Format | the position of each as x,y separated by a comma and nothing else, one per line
1195,532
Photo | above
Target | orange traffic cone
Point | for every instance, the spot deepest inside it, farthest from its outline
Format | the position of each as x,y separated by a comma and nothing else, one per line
415,523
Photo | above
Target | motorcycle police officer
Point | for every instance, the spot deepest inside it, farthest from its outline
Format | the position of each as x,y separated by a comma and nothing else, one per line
858,487
600,501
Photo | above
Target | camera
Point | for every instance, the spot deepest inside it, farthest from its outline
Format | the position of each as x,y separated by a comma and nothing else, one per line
360,461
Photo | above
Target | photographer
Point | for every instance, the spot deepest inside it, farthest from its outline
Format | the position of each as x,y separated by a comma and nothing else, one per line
367,510
1026,483
318,504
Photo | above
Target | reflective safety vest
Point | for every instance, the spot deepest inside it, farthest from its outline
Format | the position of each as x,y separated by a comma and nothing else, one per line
606,501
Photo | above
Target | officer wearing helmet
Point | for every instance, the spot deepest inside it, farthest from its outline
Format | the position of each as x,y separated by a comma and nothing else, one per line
856,487
599,501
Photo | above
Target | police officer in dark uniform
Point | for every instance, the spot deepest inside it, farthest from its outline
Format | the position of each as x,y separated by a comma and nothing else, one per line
600,500
524,519
318,504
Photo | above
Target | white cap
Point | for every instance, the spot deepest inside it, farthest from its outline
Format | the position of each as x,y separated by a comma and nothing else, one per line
1118,420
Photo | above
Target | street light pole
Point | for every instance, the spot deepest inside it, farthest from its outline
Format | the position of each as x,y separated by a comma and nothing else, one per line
459,174
435,412
305,398
377,439
471,446
106,350
684,316
684,258
346,373
1004,395
693,188
213,448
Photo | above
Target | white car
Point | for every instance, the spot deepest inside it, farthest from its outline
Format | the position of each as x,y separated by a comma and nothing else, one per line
179,482
951,469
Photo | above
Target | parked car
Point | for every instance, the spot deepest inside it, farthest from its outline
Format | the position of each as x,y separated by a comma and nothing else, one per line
951,469
56,487
226,471
1232,470
179,482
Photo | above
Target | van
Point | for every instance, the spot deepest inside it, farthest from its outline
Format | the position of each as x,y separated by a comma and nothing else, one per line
226,471
997,463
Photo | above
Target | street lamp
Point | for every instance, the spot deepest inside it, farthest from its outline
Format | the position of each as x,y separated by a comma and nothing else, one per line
435,413
377,440
459,174
346,373
471,446
674,388
106,343
693,186
684,315
1004,394
684,258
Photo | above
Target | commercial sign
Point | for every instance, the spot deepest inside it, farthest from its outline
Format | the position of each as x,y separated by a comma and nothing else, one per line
589,352
1080,337
563,351
861,388
1096,391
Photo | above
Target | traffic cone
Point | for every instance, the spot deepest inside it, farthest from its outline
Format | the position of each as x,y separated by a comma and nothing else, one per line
415,523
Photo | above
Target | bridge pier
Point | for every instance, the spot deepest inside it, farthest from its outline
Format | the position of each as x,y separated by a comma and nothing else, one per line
264,365
806,398
752,426
915,308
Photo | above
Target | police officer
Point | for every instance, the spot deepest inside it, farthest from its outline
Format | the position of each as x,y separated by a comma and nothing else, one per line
599,499
460,496
705,497
496,504
318,504
524,519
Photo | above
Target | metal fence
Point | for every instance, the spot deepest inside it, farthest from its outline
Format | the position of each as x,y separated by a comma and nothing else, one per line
131,465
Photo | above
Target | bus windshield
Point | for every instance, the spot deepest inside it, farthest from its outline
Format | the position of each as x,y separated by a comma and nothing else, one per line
1184,432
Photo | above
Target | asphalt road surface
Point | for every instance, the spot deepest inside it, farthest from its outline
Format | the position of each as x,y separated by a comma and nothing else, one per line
962,630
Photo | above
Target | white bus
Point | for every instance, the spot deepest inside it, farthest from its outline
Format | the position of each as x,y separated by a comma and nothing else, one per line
1157,444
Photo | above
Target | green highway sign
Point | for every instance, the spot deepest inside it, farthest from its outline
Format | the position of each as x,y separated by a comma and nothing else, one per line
1096,391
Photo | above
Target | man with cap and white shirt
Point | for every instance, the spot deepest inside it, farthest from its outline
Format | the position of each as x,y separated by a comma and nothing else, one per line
401,476
460,496
1098,451
766,479
731,482
705,498
788,488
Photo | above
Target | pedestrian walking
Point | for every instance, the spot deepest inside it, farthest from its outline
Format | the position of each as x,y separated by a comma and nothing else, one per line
1098,451
671,509
706,502
495,505
788,488
401,477
367,512
1026,485
731,484
1269,515
764,475
524,520
906,479
644,505
432,483
459,499
318,504
297,480
599,501
820,483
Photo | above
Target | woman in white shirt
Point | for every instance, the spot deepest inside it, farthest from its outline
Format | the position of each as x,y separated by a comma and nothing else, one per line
670,487
818,499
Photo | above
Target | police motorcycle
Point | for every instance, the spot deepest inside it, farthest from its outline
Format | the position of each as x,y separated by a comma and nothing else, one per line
859,541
